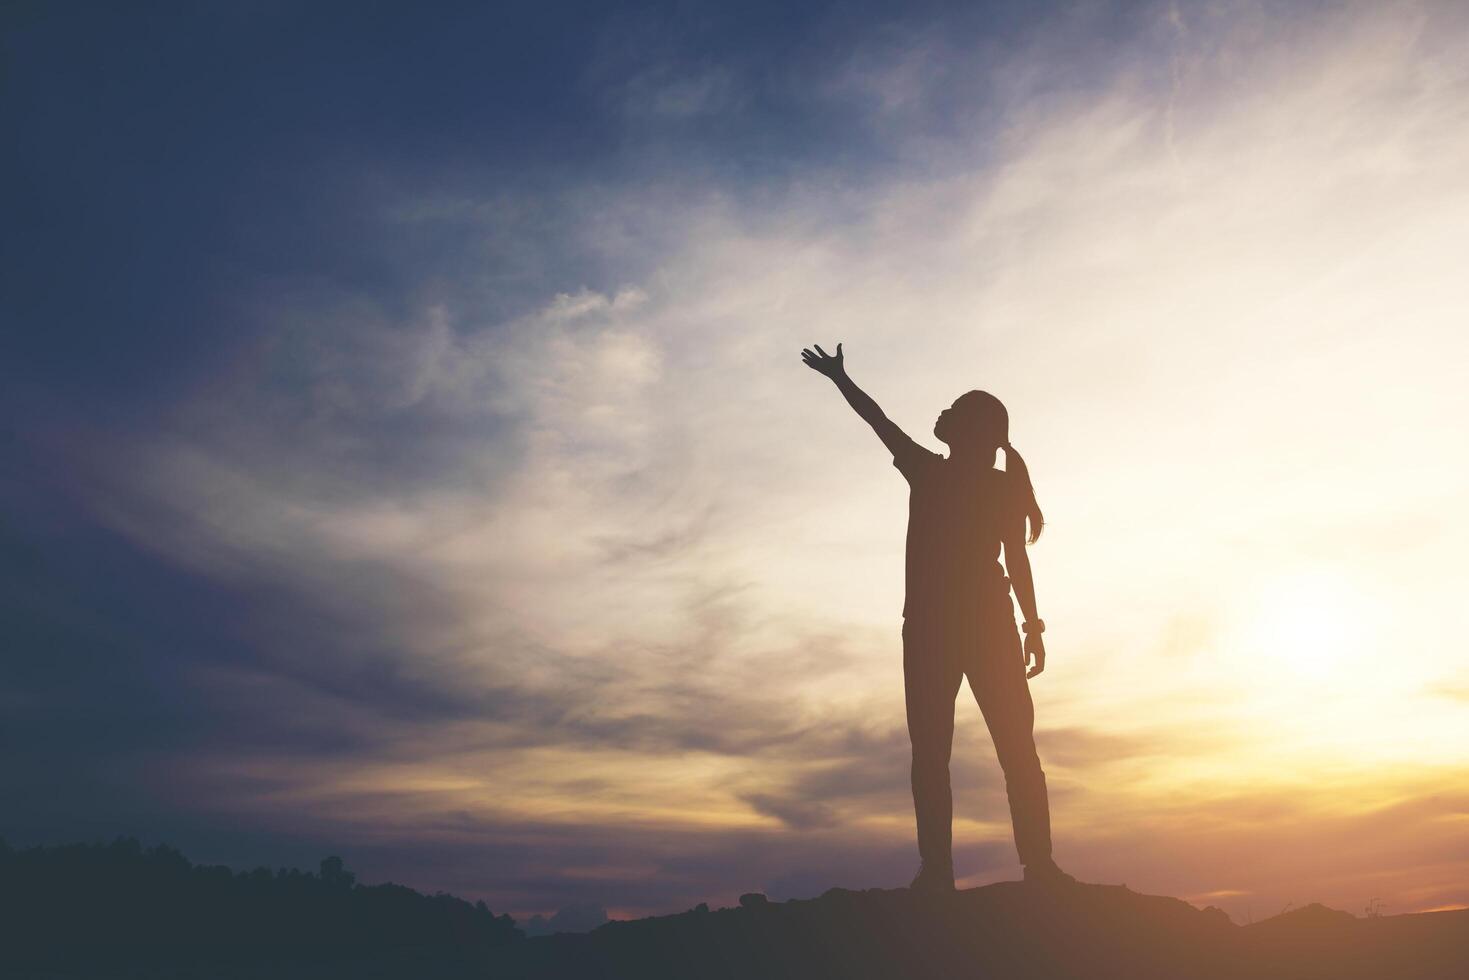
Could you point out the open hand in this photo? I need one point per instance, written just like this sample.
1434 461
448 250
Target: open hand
1035 649
828 364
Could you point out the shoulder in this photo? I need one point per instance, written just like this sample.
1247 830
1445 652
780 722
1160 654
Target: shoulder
1000 486
1006 484
913 460
1010 490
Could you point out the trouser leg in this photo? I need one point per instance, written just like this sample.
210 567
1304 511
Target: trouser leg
1000 686
931 677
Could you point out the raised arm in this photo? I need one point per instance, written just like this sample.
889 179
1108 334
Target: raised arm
1017 566
834 368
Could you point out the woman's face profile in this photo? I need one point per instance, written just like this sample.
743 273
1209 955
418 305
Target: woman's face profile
948 424
941 426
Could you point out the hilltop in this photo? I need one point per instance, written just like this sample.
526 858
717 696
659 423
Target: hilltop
1009 930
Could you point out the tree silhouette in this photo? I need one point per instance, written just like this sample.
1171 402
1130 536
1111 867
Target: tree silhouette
120 903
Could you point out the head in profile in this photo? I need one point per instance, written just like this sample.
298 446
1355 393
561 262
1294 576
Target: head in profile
976 422
974 427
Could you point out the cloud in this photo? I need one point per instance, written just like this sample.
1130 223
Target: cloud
795 814
568 307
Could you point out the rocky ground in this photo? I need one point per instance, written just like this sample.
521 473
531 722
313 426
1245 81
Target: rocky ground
1009 930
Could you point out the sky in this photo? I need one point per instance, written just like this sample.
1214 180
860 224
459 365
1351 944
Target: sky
407 454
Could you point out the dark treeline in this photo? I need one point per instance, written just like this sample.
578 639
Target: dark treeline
121 903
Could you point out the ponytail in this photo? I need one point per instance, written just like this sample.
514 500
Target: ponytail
987 423
1025 493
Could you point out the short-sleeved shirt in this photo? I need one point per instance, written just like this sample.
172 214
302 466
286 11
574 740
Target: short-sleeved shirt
955 524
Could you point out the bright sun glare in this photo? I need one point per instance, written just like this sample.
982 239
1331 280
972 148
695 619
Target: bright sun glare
1312 623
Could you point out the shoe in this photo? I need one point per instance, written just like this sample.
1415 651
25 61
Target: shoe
933 880
1047 873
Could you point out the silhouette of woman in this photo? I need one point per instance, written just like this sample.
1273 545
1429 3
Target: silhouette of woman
958 619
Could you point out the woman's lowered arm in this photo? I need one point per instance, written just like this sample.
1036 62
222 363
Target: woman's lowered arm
834 368
1017 566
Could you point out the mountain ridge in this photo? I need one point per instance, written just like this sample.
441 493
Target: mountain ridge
1006 929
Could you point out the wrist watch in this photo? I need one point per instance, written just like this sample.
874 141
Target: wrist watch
1035 626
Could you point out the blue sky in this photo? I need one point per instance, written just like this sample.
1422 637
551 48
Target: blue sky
407 453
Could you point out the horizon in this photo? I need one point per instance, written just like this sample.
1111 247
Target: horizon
410 457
